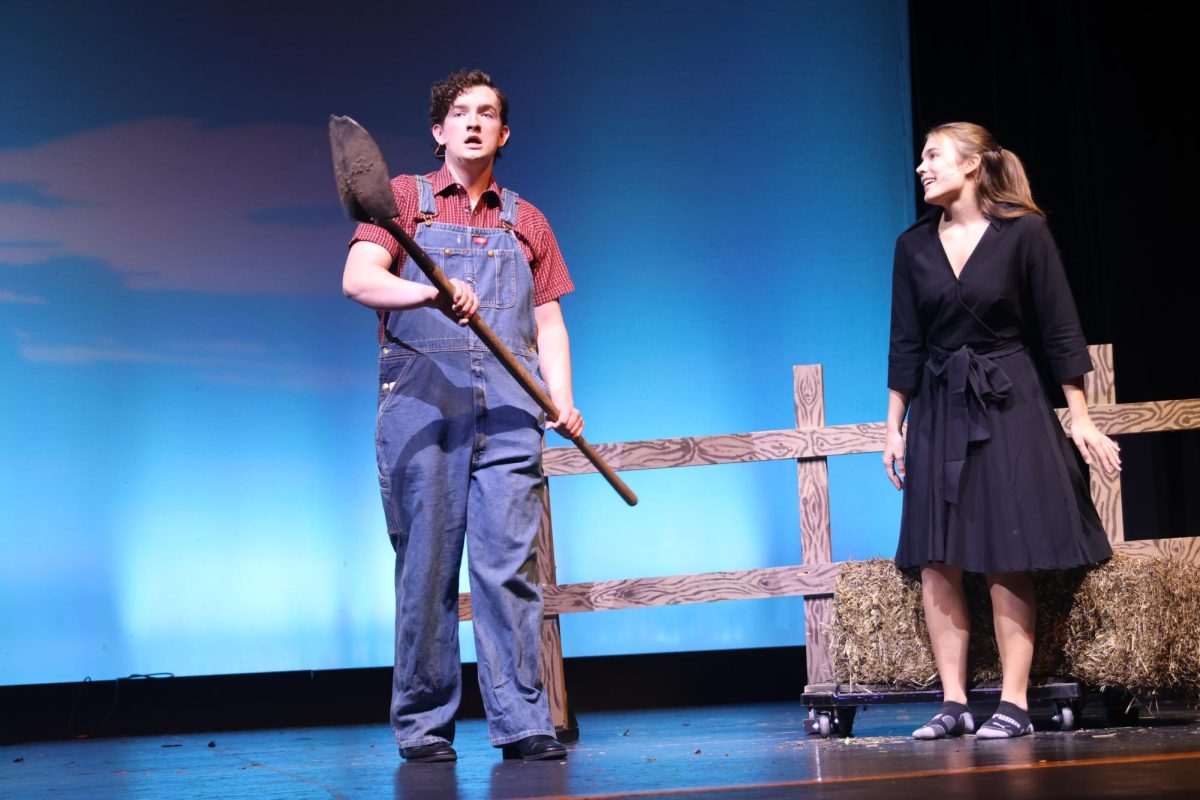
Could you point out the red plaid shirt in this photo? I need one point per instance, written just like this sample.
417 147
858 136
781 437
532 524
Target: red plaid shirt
550 277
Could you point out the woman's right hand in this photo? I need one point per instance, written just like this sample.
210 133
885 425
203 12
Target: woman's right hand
893 458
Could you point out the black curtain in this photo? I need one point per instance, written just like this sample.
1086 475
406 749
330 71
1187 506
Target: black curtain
1093 97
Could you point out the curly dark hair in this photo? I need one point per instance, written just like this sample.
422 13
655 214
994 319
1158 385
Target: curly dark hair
444 93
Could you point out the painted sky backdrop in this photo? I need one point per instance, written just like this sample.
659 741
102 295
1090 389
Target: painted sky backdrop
187 480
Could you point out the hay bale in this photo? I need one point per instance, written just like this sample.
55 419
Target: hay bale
1131 624
877 632
1183 663
1055 591
878 635
1135 625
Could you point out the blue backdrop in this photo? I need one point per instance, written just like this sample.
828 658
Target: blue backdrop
187 480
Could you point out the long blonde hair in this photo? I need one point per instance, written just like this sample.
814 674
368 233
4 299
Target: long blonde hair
1001 185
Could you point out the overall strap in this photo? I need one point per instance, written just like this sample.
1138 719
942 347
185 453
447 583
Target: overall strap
425 202
509 200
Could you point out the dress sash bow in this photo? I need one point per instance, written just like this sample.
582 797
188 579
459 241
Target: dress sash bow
973 382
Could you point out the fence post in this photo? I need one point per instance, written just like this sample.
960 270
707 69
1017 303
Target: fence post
808 387
1100 387
553 681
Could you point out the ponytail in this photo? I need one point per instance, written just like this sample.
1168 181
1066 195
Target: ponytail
1001 185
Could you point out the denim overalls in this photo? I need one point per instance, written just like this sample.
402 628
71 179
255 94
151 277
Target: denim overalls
459 447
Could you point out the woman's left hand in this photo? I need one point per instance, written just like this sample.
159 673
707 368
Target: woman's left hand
1095 446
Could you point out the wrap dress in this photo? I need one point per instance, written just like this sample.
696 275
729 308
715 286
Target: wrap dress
993 484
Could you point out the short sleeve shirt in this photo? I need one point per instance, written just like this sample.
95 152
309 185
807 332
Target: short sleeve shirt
551 280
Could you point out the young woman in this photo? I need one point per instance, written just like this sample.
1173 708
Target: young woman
990 483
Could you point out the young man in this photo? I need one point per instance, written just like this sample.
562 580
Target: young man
458 442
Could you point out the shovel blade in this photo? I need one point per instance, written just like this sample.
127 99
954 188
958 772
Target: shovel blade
361 173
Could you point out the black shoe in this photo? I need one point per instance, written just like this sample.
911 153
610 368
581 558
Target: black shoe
535 748
428 753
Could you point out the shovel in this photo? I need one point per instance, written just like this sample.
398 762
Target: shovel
366 191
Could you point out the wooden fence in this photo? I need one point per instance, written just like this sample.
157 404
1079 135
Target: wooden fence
810 443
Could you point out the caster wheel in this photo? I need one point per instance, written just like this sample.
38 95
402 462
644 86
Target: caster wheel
1120 710
845 720
825 723
1065 718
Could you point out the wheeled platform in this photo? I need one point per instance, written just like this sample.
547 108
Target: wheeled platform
831 707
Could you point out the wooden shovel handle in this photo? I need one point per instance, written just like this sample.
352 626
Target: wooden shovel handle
505 356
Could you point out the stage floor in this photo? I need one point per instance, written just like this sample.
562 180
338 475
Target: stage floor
725 752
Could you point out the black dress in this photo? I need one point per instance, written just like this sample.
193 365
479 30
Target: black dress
993 484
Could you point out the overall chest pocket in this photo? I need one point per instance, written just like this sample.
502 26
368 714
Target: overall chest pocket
492 272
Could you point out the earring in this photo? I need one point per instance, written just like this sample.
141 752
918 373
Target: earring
439 151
